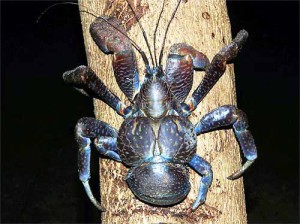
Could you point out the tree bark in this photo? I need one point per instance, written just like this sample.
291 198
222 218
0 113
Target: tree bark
205 26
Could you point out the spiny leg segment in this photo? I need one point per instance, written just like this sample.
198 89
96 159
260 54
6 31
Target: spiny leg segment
86 81
226 116
105 139
215 70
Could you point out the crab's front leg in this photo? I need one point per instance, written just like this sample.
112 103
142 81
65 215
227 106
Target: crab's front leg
111 38
182 60
86 81
105 139
230 115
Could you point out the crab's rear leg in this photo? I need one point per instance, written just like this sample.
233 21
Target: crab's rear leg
216 69
226 116
203 168
105 138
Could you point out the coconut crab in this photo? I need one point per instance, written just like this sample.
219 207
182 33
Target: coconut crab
156 140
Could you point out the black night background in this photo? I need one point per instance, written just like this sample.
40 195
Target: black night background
39 181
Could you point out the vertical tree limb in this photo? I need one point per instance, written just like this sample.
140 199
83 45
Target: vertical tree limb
205 26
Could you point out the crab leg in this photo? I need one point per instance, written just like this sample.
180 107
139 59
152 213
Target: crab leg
216 69
203 168
105 141
181 63
110 36
86 81
230 115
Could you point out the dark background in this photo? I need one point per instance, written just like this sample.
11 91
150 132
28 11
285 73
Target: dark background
39 180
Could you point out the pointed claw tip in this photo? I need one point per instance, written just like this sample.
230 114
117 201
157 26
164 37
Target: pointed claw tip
240 172
230 177
196 205
101 209
194 208
234 176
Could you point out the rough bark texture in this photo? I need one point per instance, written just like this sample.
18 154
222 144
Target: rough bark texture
204 25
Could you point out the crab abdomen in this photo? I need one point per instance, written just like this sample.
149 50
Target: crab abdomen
159 183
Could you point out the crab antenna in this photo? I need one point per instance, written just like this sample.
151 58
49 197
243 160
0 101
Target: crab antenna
143 31
104 19
164 41
62 3
156 27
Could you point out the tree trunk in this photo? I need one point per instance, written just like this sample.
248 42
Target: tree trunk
205 26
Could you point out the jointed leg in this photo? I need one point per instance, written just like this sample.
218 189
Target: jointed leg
215 70
230 115
105 141
85 80
203 168
107 146
109 39
181 63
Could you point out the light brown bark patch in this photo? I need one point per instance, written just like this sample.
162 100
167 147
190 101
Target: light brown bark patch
122 11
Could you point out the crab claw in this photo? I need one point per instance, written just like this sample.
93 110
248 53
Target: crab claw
240 172
197 203
91 196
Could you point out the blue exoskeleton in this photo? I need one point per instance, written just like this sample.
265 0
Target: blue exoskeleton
156 140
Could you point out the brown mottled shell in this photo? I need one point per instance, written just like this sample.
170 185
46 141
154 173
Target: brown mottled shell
177 138
136 140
